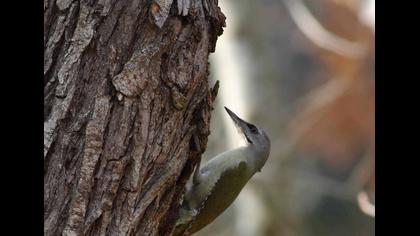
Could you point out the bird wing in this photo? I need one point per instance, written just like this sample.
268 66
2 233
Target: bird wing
211 173
227 187
225 174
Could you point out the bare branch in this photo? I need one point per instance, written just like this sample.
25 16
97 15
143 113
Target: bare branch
320 36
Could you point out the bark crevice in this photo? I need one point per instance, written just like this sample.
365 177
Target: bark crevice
126 90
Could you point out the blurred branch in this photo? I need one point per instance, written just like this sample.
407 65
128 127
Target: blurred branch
320 36
367 14
364 204
362 172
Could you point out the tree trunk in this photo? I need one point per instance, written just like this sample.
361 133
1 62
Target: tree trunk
125 93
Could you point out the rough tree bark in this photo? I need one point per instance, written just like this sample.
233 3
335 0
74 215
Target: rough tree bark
125 91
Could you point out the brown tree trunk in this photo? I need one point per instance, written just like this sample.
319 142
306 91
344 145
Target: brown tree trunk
125 93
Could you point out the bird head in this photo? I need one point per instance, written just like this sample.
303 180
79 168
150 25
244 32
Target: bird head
254 135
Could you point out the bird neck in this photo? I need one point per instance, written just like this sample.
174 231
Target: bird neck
256 156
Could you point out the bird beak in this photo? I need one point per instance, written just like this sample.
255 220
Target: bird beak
234 117
241 124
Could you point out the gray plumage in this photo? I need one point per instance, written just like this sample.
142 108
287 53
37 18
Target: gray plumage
217 184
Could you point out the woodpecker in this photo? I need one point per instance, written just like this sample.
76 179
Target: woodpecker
217 184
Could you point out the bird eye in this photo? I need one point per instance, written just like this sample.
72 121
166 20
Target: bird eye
252 128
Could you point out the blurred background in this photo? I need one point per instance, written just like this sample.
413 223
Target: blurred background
304 71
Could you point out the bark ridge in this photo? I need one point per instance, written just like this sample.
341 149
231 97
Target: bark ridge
125 90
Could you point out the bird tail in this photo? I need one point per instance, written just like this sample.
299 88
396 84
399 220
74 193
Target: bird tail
186 216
